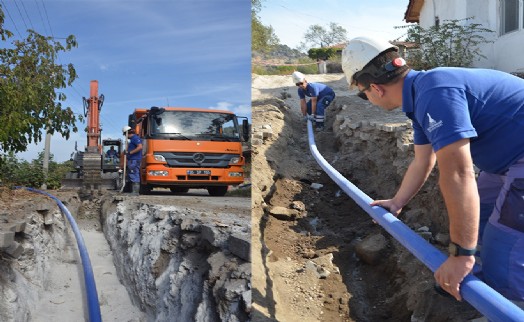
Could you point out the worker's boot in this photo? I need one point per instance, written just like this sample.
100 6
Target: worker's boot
136 188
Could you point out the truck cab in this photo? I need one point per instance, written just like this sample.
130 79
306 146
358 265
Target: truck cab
188 148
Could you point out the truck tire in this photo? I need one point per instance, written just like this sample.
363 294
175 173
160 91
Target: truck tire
145 189
217 191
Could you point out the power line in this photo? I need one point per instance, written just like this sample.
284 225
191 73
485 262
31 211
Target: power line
28 18
11 18
47 17
41 17
20 12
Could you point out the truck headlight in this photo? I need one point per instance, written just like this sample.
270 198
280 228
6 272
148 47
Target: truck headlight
159 157
234 160
158 173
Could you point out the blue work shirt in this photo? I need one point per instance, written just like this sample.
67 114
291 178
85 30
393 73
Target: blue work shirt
134 141
487 106
318 90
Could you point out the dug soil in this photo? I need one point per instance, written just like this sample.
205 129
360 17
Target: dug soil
316 255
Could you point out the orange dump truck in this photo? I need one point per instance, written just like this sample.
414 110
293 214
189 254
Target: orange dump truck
190 148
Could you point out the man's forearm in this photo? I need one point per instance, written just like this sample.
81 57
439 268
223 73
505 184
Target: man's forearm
462 202
459 189
416 174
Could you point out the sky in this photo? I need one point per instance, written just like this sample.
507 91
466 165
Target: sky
143 53
290 19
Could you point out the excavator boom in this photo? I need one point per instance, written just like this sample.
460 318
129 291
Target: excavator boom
90 172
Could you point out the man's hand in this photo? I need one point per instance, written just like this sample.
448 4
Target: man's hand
389 204
312 117
452 272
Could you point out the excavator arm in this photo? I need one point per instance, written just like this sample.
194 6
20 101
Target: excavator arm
89 162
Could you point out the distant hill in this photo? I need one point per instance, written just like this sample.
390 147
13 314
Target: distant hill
279 53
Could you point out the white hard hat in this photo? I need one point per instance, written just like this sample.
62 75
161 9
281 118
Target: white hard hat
126 128
298 77
359 52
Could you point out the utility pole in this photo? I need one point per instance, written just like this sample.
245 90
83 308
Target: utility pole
45 165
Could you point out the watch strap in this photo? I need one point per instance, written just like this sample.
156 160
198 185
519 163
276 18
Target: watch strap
457 250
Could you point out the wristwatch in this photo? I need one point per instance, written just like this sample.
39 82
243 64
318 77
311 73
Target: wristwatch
456 250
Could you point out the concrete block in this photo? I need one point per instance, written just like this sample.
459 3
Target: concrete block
14 250
18 227
6 238
213 235
48 219
240 246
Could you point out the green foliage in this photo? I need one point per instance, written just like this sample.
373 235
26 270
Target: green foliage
321 53
15 172
263 38
318 36
30 80
453 43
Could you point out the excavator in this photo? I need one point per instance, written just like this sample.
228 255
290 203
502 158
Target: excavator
98 166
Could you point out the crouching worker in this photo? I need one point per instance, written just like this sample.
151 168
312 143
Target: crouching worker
321 96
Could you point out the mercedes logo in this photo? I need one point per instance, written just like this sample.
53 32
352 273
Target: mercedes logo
198 157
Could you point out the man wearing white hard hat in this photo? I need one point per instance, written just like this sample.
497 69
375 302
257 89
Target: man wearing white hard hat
321 96
461 117
133 157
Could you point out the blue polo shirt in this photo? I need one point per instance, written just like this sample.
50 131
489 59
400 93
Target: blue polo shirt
318 90
487 106
134 141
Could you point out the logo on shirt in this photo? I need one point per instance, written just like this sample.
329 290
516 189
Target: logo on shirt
433 125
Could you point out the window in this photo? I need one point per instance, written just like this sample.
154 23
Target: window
510 16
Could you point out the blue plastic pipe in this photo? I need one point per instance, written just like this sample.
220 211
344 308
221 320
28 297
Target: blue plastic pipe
485 299
91 293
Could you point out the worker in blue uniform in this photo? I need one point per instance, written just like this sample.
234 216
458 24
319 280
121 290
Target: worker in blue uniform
133 158
461 117
321 96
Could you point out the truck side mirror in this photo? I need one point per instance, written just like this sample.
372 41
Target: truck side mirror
245 130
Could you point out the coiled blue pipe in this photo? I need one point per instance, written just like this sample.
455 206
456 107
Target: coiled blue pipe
91 293
485 299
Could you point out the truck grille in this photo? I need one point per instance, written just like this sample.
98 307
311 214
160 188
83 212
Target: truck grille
195 160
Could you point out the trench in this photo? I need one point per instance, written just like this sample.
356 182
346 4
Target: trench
371 150
152 261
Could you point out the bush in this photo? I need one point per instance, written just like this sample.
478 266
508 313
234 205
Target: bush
452 44
303 65
15 172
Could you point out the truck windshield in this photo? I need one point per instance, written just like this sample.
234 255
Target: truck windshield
184 125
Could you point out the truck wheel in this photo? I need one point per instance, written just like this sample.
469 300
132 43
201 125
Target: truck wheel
217 191
145 189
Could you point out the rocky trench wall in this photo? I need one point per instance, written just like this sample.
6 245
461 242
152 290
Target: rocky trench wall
40 234
374 153
179 266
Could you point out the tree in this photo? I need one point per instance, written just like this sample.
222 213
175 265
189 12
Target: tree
263 38
30 80
321 53
317 35
452 43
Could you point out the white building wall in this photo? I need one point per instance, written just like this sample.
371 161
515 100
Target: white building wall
504 53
